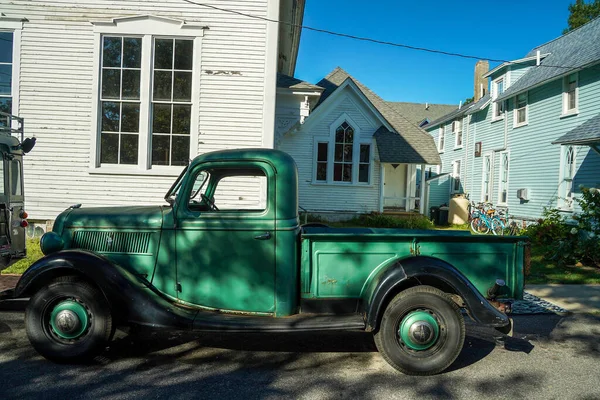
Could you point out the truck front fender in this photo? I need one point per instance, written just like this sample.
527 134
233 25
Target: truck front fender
404 273
132 299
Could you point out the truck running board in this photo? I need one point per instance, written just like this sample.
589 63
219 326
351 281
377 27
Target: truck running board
219 322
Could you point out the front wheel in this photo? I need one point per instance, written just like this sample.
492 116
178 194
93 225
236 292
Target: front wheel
68 321
422 331
479 226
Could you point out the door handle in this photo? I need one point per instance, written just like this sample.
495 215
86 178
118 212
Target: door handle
264 236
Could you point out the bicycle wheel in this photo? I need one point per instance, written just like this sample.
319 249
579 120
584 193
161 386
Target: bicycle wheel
479 226
497 227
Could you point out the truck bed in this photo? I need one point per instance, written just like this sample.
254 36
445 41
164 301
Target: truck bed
337 263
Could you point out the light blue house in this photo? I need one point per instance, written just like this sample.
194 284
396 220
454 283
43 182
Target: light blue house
532 136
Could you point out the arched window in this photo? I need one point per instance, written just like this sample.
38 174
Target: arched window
567 174
342 158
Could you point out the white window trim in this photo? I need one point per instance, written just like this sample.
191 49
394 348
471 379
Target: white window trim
565 99
500 176
358 140
454 174
495 103
14 25
441 134
148 27
491 184
515 112
565 204
456 135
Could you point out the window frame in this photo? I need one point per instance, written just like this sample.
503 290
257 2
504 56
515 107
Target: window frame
565 96
503 178
148 28
357 142
564 201
456 176
14 25
441 138
489 188
498 107
516 109
458 133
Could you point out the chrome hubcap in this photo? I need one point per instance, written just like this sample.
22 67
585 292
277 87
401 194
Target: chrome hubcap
67 321
421 332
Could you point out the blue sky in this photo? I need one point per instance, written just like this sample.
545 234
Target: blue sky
492 29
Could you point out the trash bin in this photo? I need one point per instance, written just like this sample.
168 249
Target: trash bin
443 216
434 214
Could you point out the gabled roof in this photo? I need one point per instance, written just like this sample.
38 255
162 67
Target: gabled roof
288 82
419 147
586 133
569 53
418 112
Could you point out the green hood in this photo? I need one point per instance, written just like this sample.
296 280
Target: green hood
139 217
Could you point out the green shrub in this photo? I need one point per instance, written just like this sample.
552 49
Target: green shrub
376 220
34 253
567 243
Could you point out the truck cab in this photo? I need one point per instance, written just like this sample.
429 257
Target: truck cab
227 253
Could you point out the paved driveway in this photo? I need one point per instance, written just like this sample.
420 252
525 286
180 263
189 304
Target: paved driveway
554 357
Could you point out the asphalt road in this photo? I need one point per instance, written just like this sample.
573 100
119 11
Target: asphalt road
551 357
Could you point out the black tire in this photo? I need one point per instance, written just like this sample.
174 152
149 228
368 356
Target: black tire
444 350
46 342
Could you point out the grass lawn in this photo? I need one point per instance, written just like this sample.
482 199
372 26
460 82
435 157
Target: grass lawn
33 254
544 271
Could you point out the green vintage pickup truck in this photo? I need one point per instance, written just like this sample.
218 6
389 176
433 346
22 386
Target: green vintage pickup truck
200 263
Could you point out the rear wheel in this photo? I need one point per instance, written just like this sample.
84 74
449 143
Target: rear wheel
479 226
422 331
68 321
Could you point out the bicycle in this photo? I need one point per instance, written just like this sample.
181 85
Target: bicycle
480 222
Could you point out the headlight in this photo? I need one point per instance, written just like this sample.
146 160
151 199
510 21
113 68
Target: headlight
51 243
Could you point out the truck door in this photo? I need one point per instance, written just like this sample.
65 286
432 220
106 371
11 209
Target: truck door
225 237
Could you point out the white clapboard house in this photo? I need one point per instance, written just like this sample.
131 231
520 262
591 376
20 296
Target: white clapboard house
122 94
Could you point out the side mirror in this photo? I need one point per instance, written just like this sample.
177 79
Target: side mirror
28 144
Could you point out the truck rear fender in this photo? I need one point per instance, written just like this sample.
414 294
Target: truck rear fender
419 270
131 298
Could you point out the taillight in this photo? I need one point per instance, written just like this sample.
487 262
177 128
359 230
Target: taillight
24 223
23 214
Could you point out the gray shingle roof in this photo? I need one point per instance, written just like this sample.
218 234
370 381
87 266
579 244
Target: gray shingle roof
415 145
588 132
459 112
288 82
577 49
417 112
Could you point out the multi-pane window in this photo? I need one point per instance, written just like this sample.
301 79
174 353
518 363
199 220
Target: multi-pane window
570 94
6 61
567 175
504 179
457 130
120 99
521 109
499 105
343 159
487 178
441 139
364 163
171 101
322 149
343 152
456 176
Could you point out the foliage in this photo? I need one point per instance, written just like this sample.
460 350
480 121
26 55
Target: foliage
544 271
581 13
34 253
468 101
568 243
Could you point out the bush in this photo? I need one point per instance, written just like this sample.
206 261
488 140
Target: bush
568 243
376 220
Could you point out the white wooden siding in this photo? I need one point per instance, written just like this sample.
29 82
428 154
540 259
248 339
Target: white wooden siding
56 97
300 145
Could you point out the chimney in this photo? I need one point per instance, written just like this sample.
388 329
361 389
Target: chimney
480 82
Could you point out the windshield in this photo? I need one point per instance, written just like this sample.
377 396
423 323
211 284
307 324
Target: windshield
174 190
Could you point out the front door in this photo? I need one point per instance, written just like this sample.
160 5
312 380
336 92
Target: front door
226 238
394 189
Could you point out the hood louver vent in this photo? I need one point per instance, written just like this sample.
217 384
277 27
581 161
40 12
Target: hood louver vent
112 242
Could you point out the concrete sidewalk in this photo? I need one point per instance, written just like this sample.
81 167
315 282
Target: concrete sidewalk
574 298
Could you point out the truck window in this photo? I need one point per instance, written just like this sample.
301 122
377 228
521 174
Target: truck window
242 192
16 186
199 186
